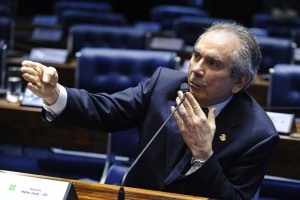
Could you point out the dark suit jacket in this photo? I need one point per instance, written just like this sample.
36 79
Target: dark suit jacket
243 144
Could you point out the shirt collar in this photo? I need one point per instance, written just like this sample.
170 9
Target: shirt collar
219 107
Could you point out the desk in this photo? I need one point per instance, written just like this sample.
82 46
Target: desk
24 125
259 90
285 161
96 191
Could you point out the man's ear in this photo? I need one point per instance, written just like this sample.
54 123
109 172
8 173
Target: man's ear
240 82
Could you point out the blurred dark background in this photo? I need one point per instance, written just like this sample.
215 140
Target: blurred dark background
240 10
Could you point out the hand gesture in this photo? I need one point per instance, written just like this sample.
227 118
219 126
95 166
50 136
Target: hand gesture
42 80
196 128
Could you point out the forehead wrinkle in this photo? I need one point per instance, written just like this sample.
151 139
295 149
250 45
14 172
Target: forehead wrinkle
222 44
205 53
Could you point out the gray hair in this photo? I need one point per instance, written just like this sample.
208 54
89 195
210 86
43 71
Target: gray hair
245 59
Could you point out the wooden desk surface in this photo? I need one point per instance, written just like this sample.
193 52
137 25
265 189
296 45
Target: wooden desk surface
97 191
24 125
285 161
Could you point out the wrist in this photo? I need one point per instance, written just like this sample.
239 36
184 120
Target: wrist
52 98
199 162
202 154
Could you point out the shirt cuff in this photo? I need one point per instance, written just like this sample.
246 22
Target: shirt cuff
196 167
59 105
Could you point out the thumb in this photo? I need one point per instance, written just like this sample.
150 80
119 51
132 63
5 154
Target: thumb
50 76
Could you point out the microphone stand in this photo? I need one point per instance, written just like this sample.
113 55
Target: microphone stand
121 196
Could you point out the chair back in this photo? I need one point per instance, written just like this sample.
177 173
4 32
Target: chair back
84 35
7 29
151 27
122 149
166 14
68 18
275 187
259 32
189 28
273 26
8 8
275 51
284 86
61 6
3 51
110 70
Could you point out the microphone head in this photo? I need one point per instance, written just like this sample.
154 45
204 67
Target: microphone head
184 87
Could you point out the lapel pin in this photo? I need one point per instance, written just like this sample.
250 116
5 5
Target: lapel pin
222 137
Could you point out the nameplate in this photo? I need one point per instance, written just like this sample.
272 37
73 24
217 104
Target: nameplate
162 43
283 122
46 34
48 55
19 187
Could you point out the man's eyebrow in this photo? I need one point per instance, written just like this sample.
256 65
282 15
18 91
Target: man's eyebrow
217 60
196 51
214 58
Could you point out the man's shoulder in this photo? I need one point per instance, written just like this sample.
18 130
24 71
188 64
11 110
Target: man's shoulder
164 71
250 107
168 79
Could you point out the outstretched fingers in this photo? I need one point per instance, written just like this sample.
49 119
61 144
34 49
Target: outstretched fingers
37 73
195 105
177 117
183 109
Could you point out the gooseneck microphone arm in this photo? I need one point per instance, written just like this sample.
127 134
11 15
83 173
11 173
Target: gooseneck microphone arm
184 87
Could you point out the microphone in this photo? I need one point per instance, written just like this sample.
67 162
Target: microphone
184 87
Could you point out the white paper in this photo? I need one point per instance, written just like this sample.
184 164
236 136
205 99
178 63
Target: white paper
18 187
283 122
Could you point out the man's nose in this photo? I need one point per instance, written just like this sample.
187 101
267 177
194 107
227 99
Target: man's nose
199 67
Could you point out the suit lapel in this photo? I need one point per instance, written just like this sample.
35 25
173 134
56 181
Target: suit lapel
176 172
175 143
229 118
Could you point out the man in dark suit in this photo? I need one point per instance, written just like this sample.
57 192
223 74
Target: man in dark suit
223 155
